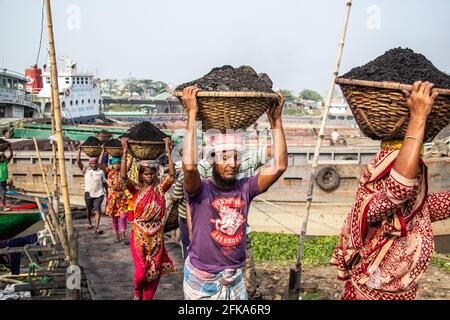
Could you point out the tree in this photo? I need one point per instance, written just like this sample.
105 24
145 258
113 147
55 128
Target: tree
288 94
109 86
308 94
132 85
160 87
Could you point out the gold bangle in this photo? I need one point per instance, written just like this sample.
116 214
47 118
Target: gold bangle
415 138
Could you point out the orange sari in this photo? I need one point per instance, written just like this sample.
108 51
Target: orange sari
117 201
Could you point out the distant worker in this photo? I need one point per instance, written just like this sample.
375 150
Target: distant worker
94 186
335 137
4 162
12 189
150 256
117 200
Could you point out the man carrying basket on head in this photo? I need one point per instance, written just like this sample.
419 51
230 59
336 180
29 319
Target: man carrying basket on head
219 208
95 186
386 241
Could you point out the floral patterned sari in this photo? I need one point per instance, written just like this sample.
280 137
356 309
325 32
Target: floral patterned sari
148 229
386 241
117 201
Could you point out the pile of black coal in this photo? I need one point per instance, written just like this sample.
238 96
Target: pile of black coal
115 143
145 131
227 78
104 132
400 65
92 142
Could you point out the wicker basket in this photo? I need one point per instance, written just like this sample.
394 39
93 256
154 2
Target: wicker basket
224 110
3 147
380 109
146 150
114 151
103 136
92 151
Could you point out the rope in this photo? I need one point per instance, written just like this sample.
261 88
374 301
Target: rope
42 31
288 211
277 221
33 265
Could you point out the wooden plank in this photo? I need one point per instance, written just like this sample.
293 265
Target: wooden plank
25 198
29 211
51 257
52 297
8 250
39 286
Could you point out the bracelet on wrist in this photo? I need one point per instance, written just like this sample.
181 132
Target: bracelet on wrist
415 138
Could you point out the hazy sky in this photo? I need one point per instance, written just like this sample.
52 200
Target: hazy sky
293 41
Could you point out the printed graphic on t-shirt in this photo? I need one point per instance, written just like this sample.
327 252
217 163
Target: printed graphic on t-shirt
228 228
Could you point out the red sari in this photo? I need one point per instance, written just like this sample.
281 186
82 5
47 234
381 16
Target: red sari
147 240
386 241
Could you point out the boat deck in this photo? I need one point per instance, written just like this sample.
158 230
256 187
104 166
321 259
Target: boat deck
109 266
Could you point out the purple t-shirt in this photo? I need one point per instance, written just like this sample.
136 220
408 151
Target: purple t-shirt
219 220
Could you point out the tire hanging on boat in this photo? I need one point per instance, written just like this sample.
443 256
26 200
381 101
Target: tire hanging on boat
328 179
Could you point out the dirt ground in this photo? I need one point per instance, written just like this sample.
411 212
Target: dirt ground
273 282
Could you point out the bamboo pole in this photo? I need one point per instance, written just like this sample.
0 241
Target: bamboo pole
295 274
72 294
55 193
58 227
386 85
46 221
59 134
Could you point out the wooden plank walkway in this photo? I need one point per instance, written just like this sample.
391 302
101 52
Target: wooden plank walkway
109 266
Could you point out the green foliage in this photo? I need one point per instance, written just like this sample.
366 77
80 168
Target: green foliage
110 86
318 295
123 107
139 86
288 94
293 112
308 94
439 261
284 247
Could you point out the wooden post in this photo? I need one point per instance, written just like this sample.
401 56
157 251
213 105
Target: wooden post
295 274
55 193
72 294
58 128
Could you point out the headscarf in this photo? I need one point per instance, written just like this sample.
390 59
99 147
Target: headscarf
115 160
225 142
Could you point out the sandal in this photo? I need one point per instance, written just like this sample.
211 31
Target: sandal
88 227
98 231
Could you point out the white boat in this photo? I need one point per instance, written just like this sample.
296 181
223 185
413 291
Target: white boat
15 102
79 93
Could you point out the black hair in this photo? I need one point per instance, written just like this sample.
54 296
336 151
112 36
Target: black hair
142 169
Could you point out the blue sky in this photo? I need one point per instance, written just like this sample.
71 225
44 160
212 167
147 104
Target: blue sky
293 41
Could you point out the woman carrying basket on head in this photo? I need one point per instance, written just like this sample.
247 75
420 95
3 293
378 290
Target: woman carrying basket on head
147 238
117 200
386 241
